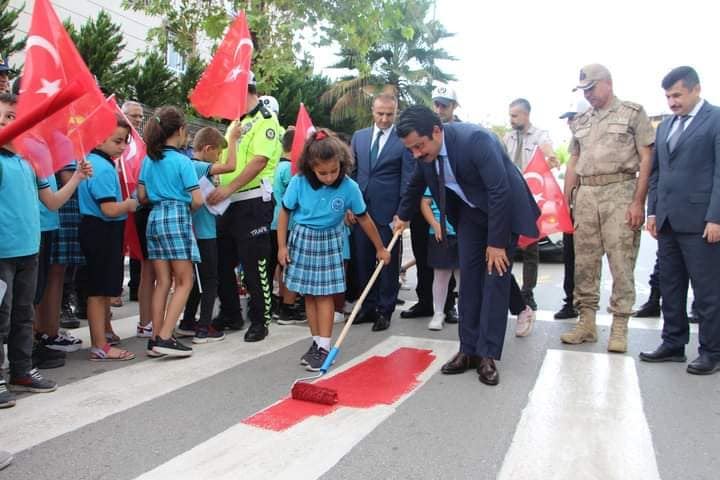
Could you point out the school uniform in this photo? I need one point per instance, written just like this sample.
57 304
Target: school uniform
168 183
19 246
66 247
101 236
49 225
316 240
441 255
281 180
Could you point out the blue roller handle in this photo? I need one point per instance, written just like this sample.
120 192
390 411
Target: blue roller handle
329 360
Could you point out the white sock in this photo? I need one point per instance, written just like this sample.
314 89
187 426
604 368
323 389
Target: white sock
315 338
323 342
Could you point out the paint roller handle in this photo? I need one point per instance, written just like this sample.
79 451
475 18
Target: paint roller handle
329 360
359 302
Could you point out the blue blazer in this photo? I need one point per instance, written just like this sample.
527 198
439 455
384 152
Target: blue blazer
486 176
685 184
383 185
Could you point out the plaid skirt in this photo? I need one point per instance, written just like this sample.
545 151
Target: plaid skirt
170 233
316 261
66 247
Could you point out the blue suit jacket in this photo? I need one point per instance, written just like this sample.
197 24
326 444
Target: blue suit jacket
486 176
685 184
382 185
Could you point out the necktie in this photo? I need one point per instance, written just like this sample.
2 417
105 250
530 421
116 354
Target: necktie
519 151
673 140
442 203
375 149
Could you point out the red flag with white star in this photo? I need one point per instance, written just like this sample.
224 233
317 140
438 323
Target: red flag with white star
303 129
554 212
222 89
52 62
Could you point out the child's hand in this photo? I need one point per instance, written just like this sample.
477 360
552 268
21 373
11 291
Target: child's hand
236 132
283 257
131 204
84 170
438 231
383 256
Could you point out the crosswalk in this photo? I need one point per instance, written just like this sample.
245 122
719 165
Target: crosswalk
561 413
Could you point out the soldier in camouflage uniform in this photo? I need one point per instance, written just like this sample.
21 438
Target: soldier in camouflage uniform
611 143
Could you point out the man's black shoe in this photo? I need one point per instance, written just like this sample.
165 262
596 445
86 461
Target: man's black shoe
418 310
256 332
223 322
664 353
45 358
651 308
382 323
451 315
566 312
704 365
369 316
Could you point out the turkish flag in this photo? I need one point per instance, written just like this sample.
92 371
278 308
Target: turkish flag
554 212
303 129
222 89
51 63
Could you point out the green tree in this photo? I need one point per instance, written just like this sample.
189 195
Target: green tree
187 81
100 43
156 85
8 28
562 153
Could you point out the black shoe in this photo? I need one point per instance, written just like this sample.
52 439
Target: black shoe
171 347
382 323
451 315
704 365
45 358
81 312
133 296
460 363
418 310
369 316
224 322
288 315
651 308
207 335
399 301
256 332
664 353
68 320
566 312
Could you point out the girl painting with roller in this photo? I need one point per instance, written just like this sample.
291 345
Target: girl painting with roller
318 198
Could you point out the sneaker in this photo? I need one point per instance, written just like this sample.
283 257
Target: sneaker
207 335
305 359
45 358
32 382
339 317
171 347
289 316
149 350
525 321
316 360
7 398
62 342
437 322
144 331
67 317
185 329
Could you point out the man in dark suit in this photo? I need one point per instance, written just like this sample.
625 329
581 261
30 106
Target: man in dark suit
382 173
684 215
486 198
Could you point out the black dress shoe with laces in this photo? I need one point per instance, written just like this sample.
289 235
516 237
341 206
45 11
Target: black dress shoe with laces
418 310
704 365
664 353
369 316
460 363
487 372
451 315
256 332
382 322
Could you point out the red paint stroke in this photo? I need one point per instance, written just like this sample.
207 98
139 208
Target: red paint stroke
375 381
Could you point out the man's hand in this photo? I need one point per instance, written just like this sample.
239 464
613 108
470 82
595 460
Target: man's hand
652 226
496 259
218 195
350 218
712 232
399 225
383 256
635 215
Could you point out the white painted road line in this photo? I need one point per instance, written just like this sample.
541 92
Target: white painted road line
605 320
39 418
304 451
584 420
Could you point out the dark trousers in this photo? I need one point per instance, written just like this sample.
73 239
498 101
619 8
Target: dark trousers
134 282
484 297
531 259
244 237
685 258
46 240
419 240
569 264
383 295
517 302
208 270
16 312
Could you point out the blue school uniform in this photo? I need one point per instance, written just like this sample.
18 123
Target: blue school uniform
204 222
316 241
102 187
19 211
168 183
444 256
283 174
49 219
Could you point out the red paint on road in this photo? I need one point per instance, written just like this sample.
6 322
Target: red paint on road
375 381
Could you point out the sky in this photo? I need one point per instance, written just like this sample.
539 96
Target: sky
535 49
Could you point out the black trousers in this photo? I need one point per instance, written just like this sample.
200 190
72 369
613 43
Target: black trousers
569 261
517 302
384 294
419 240
208 270
244 238
134 282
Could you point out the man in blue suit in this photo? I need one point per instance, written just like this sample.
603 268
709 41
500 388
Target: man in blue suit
382 173
486 198
684 215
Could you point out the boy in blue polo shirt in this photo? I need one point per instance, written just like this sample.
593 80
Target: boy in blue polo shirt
19 246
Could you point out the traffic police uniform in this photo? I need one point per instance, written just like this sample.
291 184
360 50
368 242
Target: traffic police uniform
244 228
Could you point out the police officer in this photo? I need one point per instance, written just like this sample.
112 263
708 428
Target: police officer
244 228
611 143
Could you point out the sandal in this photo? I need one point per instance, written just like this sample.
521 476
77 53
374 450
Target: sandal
112 339
103 354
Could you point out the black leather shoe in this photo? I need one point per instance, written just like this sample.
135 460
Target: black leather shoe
416 311
703 365
664 353
487 371
369 316
224 322
256 332
451 316
566 312
460 363
382 323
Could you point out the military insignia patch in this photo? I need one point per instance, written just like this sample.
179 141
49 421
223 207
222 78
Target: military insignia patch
270 133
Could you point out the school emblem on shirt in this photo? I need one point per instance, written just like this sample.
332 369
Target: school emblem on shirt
270 133
337 204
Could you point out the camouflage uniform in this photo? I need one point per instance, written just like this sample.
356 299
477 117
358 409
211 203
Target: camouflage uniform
607 143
